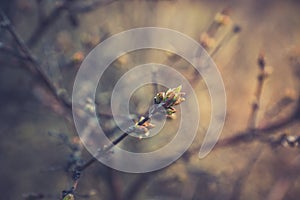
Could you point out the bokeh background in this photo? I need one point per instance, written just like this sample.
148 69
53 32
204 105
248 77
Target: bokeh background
36 133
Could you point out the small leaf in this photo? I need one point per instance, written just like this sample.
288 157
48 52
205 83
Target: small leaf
69 197
178 89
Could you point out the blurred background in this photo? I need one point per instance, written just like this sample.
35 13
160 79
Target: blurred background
256 46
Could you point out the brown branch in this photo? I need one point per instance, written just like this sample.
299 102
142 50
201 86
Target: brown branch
108 148
226 39
285 181
11 52
240 183
163 101
258 91
45 24
137 185
66 5
34 66
84 7
258 133
114 186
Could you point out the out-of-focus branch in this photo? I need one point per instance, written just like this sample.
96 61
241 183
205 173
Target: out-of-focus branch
226 39
209 39
11 52
45 23
83 7
163 100
240 183
259 134
137 185
70 6
285 181
113 182
33 65
262 76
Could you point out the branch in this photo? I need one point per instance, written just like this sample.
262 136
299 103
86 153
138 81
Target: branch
45 24
137 185
67 5
84 7
241 182
258 133
285 181
262 76
10 51
164 100
35 67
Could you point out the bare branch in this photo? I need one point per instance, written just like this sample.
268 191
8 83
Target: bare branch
35 67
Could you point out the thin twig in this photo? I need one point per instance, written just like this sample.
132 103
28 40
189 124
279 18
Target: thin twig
45 24
108 148
66 5
226 39
84 7
258 91
154 82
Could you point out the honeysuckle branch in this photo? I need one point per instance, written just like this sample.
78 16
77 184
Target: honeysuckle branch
163 100
164 103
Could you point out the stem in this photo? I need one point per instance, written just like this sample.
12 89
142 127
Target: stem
101 153
115 142
258 92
